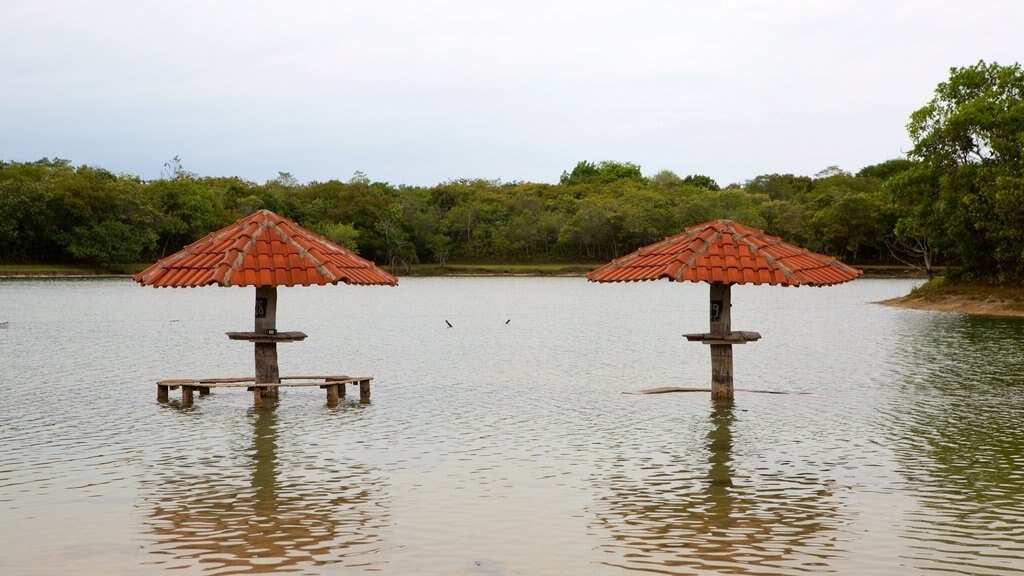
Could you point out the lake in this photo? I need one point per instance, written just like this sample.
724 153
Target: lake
505 445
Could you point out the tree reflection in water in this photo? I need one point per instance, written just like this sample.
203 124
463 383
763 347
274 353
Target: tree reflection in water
955 430
681 517
261 516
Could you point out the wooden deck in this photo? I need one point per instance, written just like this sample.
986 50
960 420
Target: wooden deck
334 385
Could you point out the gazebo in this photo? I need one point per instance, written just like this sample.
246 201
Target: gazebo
265 251
723 253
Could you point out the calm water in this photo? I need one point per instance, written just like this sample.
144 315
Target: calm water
499 448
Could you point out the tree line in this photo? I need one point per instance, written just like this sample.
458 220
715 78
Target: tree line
56 212
958 199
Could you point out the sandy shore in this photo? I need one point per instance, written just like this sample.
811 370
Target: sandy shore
984 306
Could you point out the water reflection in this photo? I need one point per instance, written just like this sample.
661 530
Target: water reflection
959 444
266 511
682 517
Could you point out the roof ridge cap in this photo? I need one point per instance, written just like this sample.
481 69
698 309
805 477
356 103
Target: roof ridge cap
703 250
789 274
303 253
234 266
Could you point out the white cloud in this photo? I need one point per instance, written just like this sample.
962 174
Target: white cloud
420 92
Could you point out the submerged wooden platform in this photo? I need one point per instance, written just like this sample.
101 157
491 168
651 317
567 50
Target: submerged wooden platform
334 385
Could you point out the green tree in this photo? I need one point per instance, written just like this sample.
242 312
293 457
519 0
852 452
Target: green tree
965 196
602 173
702 181
886 170
342 234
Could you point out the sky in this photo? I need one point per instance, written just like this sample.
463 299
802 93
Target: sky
422 92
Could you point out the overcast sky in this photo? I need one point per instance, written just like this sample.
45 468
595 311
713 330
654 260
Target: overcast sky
420 92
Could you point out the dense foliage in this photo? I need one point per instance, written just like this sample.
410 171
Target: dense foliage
53 211
959 196
964 197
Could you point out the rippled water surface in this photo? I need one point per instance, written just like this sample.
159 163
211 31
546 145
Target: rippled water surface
504 445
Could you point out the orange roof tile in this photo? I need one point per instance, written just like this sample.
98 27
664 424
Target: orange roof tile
263 249
727 252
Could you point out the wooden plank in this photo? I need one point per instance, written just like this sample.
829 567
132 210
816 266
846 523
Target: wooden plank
730 338
175 383
288 383
277 384
249 380
279 337
262 391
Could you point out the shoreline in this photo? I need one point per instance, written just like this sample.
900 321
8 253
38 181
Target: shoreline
956 306
419 270
976 299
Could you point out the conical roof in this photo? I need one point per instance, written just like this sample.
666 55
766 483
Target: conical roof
726 252
263 249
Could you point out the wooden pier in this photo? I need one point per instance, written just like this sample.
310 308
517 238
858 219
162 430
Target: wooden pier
334 385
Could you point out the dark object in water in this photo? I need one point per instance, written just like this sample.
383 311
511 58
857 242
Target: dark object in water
488 568
507 321
448 323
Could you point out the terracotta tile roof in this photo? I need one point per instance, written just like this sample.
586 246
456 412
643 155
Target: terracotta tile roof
263 249
726 252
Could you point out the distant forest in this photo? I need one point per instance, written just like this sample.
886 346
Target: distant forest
957 199
55 212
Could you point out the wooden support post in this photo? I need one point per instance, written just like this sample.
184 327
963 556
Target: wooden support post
204 390
364 391
257 396
721 372
266 352
332 393
161 393
341 390
721 354
186 395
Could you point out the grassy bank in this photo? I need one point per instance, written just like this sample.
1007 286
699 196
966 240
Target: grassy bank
965 297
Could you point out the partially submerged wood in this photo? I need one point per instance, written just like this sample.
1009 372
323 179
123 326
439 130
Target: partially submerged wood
721 354
266 352
721 338
334 386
